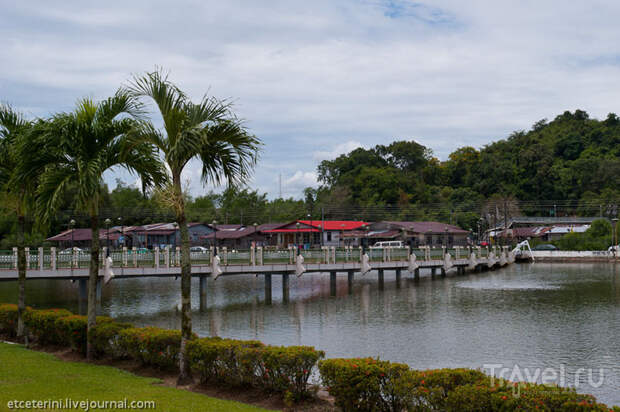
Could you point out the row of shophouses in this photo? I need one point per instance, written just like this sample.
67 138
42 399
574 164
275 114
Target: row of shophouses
305 233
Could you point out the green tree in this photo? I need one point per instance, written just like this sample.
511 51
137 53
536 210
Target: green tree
207 131
77 148
18 192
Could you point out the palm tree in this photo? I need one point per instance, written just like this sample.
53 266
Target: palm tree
77 148
13 127
207 131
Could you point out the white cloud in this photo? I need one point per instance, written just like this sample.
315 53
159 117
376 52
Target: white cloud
295 184
307 75
336 151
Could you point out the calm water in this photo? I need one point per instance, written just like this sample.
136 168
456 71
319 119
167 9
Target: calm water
561 316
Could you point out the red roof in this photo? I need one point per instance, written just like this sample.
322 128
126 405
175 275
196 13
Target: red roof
300 230
327 225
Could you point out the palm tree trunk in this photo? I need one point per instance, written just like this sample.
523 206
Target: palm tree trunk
92 282
185 376
21 271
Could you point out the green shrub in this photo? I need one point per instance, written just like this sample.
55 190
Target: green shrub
152 346
42 325
250 363
287 369
72 330
228 361
368 384
433 385
105 338
8 319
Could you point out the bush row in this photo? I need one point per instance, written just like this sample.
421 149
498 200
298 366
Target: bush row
250 363
363 384
368 384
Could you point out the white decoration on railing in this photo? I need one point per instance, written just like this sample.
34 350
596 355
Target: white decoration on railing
108 274
447 262
473 262
413 264
502 259
299 266
491 260
365 264
216 270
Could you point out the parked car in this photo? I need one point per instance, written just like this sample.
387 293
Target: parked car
545 246
198 249
388 244
69 251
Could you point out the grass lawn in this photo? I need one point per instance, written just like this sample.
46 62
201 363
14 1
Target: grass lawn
28 375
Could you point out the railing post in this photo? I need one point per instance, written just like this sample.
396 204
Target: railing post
53 258
124 257
361 253
225 253
134 251
74 258
456 252
156 254
27 252
177 256
253 256
14 258
41 258
333 254
260 255
290 255
167 257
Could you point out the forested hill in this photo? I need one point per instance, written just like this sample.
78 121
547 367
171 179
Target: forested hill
572 158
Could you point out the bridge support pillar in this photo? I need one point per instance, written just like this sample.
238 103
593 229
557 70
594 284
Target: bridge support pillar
285 288
268 288
381 279
416 274
350 281
433 271
443 272
203 292
332 283
398 277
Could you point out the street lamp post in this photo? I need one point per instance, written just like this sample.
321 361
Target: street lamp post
255 226
310 234
107 233
614 239
214 223
72 226
297 225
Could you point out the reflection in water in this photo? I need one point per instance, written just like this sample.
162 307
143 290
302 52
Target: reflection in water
540 315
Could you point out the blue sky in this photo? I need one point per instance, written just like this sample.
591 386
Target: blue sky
317 79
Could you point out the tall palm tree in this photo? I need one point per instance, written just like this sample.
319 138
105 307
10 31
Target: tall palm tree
13 127
77 148
207 131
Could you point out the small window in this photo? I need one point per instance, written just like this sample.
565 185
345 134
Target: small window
329 236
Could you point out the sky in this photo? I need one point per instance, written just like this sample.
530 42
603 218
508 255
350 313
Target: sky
317 79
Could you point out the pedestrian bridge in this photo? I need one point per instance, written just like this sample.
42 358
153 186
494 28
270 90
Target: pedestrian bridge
73 264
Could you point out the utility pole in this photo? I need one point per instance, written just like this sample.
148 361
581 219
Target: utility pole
505 222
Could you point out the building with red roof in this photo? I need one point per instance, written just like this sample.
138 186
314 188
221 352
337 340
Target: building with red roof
316 232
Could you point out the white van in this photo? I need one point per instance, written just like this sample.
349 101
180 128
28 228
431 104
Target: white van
390 244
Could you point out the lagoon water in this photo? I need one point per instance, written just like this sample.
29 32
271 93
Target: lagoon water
559 316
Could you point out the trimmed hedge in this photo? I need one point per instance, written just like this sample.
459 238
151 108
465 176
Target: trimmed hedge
72 330
105 338
151 346
251 363
8 319
372 385
42 325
